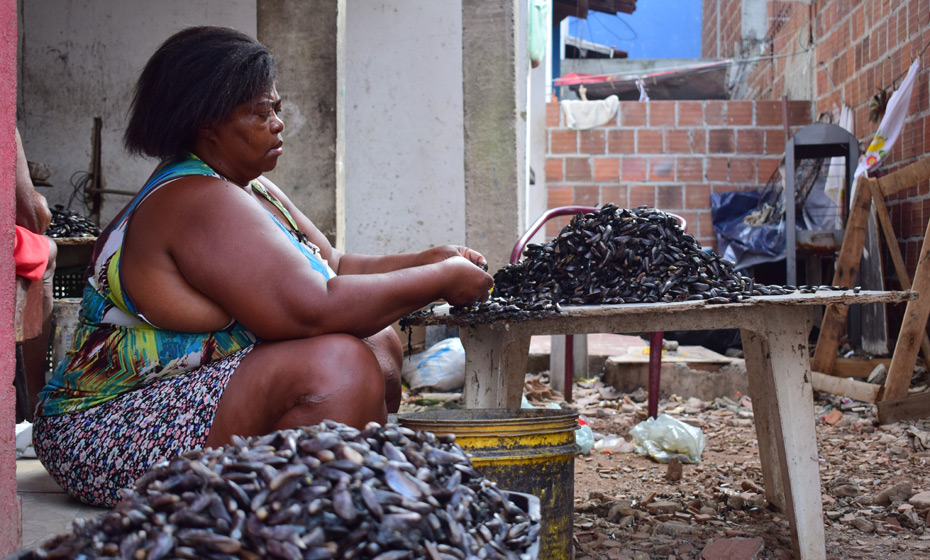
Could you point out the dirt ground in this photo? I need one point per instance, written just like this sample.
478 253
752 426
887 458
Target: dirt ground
875 482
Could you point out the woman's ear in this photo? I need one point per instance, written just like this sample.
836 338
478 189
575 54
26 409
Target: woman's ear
207 133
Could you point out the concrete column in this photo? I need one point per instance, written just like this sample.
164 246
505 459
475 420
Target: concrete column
10 521
305 40
495 64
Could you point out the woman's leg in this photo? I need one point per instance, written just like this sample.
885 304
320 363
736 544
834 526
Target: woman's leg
390 354
292 383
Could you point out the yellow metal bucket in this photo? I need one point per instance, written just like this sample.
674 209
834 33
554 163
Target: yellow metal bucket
522 450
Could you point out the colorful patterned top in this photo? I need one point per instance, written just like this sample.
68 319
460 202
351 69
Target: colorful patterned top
115 349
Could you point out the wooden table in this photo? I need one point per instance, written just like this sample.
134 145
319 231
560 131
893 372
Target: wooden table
774 332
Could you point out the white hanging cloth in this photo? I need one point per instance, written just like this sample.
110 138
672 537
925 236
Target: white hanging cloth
892 123
581 115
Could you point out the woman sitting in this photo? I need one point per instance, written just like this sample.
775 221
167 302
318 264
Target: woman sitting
213 306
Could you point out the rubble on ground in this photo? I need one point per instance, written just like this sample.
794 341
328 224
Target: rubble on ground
875 481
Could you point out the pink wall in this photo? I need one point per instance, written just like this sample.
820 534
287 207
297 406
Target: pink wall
10 524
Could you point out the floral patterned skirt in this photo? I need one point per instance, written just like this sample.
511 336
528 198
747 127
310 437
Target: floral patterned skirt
95 453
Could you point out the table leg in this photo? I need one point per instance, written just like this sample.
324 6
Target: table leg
778 365
495 367
764 415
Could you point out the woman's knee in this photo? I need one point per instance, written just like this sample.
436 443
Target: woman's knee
333 363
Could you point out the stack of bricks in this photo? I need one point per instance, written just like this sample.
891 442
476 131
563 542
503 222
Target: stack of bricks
669 155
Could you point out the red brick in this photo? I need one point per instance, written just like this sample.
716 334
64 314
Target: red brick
669 197
577 169
591 142
554 169
716 169
705 229
649 141
691 219
588 195
615 194
768 113
720 141
553 227
690 113
697 196
607 169
661 113
633 169
689 169
621 141
799 113
750 141
739 113
559 196
677 141
662 169
632 113
774 141
742 171
563 142
642 195
714 112
766 166
552 115
699 141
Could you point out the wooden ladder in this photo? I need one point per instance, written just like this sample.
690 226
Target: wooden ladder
893 402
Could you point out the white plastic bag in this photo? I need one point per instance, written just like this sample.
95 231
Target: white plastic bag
441 367
613 444
24 441
666 437
584 436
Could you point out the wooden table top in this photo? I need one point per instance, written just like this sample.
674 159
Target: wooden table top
440 315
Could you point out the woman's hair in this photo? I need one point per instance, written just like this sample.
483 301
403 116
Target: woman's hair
195 78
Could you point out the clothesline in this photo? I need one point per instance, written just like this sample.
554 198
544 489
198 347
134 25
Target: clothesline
574 79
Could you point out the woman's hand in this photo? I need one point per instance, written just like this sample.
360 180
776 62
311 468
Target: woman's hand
443 252
466 283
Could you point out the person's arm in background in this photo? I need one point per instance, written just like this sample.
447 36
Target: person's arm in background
32 210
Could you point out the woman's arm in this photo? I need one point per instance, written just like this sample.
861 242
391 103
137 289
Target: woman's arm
227 248
32 210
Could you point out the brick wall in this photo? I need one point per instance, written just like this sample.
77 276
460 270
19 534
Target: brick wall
668 154
859 46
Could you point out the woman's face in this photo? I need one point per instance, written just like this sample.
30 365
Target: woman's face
248 143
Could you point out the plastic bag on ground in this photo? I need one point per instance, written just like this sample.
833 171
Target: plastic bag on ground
441 367
584 436
613 444
665 437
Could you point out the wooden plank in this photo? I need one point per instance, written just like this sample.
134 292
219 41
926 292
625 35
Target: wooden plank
913 328
884 218
861 367
906 177
847 266
913 407
858 367
858 390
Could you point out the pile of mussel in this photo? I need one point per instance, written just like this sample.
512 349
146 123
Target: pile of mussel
613 256
66 223
326 491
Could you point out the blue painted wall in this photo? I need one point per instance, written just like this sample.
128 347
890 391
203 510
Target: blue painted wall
657 29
